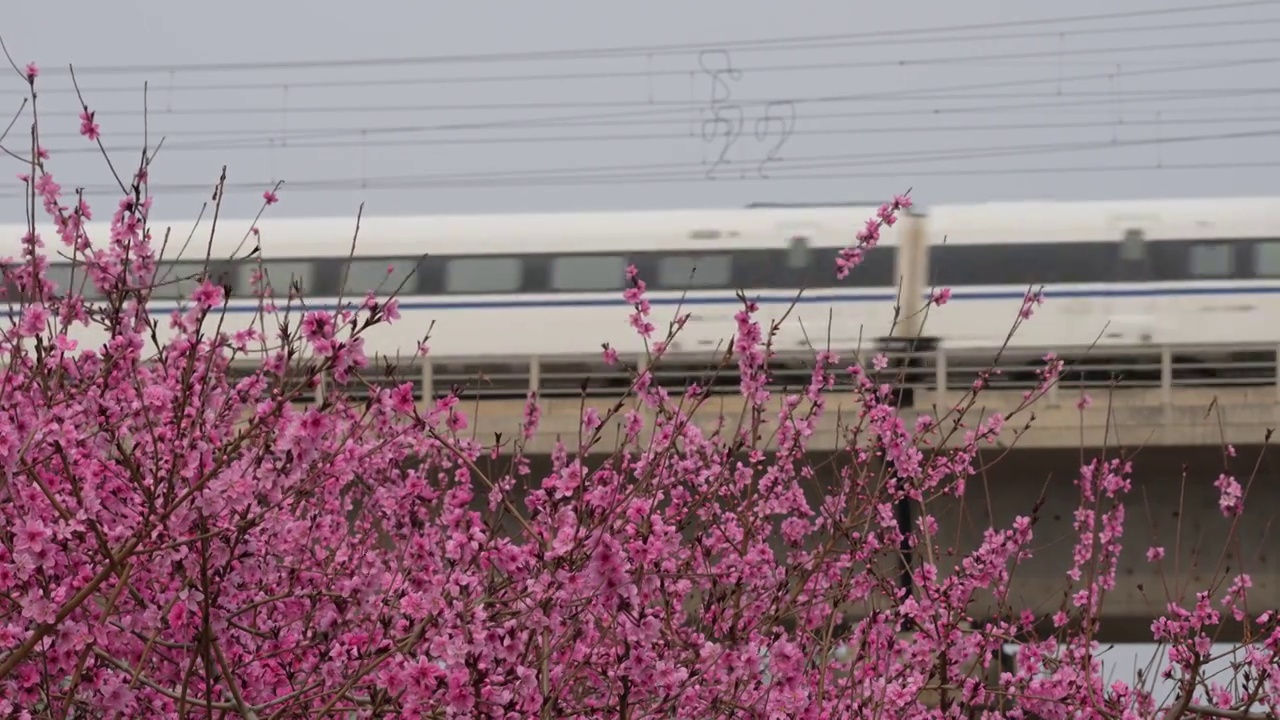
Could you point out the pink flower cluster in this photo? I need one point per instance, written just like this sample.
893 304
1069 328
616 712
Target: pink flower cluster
179 541
851 257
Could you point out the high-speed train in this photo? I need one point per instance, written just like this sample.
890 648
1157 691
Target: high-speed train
510 286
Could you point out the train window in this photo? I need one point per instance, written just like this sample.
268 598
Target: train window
759 268
798 253
1133 247
383 276
1024 265
484 275
1211 259
9 291
695 271
278 275
588 272
1133 265
1266 258
1167 259
176 280
60 275
876 269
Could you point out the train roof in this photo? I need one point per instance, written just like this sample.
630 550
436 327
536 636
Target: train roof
504 233
1084 221
775 204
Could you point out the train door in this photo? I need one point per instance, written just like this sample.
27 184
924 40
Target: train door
791 335
810 323
1132 306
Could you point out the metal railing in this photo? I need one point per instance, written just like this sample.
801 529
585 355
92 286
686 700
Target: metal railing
922 374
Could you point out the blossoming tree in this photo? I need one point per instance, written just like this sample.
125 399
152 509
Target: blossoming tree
176 541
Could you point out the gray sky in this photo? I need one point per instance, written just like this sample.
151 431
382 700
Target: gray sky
950 98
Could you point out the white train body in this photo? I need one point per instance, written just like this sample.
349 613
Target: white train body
504 288
1142 273
508 287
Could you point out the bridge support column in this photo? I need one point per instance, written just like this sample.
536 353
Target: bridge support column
1053 395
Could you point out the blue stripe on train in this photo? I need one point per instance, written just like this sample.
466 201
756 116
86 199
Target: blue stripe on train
806 299
774 298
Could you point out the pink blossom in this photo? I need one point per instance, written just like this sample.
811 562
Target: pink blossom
267 522
1231 500
886 215
271 197
88 127
532 416
318 326
241 339
610 355
635 296
207 295
34 319
402 398
1033 299
30 536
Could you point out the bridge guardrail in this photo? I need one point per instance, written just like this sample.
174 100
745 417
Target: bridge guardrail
925 376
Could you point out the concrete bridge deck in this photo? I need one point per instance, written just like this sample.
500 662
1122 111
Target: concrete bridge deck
1116 418
1164 395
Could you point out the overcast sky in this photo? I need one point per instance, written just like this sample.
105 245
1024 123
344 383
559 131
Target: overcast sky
853 101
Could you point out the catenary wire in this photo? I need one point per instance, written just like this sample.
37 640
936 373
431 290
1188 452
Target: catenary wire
634 116
312 142
637 178
1214 114
678 106
983 108
979 58
414 183
615 120
591 53
695 171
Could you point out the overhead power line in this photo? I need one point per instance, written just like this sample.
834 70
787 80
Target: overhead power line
376 184
1214 114
862 43
688 171
1053 101
943 92
333 140
274 135
642 50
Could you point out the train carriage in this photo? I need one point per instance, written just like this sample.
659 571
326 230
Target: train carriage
1120 277
498 289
